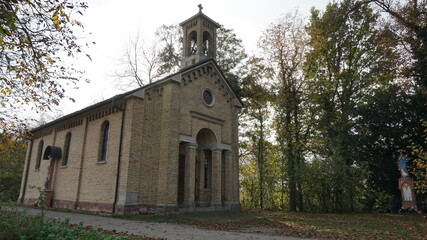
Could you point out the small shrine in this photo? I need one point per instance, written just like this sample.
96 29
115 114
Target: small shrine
406 185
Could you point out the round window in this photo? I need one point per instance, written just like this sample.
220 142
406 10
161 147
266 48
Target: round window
208 98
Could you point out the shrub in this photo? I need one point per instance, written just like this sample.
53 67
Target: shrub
17 225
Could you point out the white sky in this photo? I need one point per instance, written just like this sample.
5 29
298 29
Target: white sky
111 22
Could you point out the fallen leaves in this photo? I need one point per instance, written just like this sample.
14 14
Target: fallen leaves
306 225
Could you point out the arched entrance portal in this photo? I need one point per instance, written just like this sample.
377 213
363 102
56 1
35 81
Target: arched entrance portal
206 141
201 172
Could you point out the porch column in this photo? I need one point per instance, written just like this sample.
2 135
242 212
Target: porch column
190 174
201 170
228 168
216 178
235 182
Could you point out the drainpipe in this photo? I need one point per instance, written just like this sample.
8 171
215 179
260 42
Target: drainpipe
27 167
119 158
82 159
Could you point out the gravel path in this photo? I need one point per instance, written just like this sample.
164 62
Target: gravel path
153 229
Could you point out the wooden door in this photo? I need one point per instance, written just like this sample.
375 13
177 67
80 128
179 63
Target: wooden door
181 179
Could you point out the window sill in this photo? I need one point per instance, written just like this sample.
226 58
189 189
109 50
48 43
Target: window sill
64 166
37 170
101 162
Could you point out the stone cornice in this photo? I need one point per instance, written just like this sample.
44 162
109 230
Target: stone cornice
208 118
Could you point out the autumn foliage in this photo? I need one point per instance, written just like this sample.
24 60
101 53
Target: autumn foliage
418 164
35 38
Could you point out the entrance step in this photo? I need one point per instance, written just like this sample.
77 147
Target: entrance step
203 209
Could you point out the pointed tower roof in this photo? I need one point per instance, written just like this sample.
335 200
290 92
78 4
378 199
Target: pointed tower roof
200 14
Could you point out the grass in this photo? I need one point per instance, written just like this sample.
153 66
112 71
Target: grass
18 225
307 225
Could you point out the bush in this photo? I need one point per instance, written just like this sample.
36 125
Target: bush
17 225
12 161
381 203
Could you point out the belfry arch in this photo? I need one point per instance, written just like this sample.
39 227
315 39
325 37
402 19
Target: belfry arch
207 44
192 43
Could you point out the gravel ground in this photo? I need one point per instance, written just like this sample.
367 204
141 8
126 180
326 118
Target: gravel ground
155 229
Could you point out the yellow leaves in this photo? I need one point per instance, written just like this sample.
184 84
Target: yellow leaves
6 91
66 17
49 59
59 17
55 20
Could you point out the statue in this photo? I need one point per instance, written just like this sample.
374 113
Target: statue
46 183
407 193
402 165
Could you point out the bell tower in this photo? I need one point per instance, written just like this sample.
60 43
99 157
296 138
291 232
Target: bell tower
199 40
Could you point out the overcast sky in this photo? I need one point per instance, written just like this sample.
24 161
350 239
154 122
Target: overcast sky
112 22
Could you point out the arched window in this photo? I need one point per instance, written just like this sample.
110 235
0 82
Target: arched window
207 41
39 154
66 149
104 141
193 43
206 47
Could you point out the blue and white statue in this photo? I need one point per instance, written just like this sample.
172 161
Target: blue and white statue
402 165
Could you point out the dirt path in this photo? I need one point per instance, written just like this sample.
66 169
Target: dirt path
153 229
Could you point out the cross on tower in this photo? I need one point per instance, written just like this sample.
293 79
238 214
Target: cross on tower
200 7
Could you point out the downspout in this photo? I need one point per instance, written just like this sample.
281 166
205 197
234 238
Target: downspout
27 167
119 158
54 170
82 159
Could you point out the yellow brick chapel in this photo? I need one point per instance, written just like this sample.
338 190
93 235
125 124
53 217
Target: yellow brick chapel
171 145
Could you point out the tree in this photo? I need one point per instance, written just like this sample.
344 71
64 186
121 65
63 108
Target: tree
342 71
256 117
410 25
284 45
385 122
396 111
171 51
140 64
230 56
35 36
418 163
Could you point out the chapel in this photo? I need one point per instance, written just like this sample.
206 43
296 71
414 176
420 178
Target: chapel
168 146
